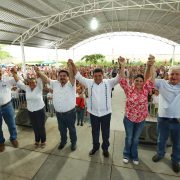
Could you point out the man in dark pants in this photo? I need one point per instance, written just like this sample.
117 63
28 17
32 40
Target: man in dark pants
67 121
64 101
99 105
104 123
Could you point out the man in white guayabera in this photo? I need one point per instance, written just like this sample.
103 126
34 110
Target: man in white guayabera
98 105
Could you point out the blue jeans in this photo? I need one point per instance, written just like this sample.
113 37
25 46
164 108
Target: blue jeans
104 123
165 127
67 121
80 115
7 113
133 131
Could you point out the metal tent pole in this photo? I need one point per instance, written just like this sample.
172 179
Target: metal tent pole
56 49
172 61
73 53
23 58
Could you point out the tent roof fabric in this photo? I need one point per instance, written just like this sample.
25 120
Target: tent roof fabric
64 23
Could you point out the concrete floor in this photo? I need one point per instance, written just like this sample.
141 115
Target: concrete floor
28 162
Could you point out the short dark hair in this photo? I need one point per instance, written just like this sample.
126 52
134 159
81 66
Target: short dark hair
64 71
139 76
97 70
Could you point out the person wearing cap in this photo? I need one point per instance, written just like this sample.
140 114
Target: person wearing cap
7 111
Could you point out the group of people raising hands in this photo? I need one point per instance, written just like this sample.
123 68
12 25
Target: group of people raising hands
99 107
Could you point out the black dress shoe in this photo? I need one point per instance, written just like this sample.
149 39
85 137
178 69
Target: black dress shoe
93 151
61 146
156 158
106 154
73 147
175 167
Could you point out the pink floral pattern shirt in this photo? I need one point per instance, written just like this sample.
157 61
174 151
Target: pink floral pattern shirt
136 101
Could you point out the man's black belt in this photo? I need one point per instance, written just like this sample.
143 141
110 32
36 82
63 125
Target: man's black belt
4 105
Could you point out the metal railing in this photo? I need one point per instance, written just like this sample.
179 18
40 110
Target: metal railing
19 102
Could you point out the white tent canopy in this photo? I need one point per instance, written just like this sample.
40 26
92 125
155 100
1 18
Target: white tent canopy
64 23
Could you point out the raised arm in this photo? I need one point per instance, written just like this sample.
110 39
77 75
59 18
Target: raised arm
71 73
20 84
122 63
115 81
150 69
77 74
123 81
42 75
14 73
74 69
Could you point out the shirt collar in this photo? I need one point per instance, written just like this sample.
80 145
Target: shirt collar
99 84
172 84
64 84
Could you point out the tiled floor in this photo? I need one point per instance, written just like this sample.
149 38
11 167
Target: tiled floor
28 162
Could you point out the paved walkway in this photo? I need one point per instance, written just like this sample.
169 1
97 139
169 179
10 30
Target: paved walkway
49 163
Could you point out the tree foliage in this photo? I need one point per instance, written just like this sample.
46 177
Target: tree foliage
93 58
4 54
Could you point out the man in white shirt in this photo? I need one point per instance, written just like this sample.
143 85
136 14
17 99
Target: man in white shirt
169 116
64 101
98 105
7 111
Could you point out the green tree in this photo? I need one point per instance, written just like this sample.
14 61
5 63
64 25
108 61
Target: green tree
3 54
93 58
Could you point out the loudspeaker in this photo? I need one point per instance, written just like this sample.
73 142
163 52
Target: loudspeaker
149 134
22 118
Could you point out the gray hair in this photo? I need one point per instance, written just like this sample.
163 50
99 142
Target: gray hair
177 68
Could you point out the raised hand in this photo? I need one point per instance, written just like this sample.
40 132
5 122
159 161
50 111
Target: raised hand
36 69
69 63
14 70
151 60
150 69
121 61
72 66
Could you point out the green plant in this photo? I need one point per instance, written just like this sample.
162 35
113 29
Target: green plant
93 58
3 54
